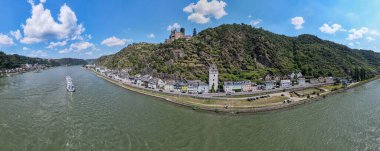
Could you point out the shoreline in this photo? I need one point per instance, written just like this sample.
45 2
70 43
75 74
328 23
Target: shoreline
179 100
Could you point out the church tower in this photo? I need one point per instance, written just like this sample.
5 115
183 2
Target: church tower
213 77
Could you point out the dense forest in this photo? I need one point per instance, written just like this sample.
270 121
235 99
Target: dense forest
242 52
14 61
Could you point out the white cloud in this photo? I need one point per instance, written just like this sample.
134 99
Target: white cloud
78 47
298 22
56 44
370 39
174 26
151 36
198 18
249 16
5 40
255 22
64 51
357 33
89 37
38 53
41 26
374 32
25 48
113 41
16 34
42 1
88 53
325 28
203 11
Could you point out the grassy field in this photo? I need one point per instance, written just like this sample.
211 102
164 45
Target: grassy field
243 96
311 91
233 103
332 87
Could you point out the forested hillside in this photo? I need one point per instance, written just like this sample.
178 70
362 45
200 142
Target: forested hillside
242 52
14 61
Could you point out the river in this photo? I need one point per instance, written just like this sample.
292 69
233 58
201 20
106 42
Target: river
37 113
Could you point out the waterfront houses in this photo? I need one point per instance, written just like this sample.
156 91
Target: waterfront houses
22 69
203 87
237 86
285 83
269 85
180 86
192 86
246 86
156 83
169 85
198 87
230 86
330 80
145 80
301 81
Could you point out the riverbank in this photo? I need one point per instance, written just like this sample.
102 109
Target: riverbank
235 105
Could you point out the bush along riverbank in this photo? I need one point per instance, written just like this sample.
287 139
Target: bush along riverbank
243 104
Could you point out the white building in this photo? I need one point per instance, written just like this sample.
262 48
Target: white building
169 85
285 83
301 81
292 76
329 80
203 88
237 86
269 85
156 83
213 77
138 82
192 86
299 75
230 86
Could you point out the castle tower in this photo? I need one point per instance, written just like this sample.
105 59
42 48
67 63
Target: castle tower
213 77
182 30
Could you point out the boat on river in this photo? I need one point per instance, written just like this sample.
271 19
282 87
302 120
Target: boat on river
69 84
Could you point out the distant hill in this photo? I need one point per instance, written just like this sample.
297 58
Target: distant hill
242 52
70 61
14 61
90 61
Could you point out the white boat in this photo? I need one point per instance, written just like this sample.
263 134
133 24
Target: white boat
69 84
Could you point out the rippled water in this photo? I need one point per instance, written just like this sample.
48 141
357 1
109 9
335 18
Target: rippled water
36 113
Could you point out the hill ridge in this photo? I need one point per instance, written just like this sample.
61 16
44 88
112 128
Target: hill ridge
242 52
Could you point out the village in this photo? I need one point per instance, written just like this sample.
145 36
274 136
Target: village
270 84
22 69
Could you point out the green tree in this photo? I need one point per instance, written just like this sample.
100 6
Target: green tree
212 88
194 32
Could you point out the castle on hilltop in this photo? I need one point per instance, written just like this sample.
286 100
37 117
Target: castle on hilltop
174 35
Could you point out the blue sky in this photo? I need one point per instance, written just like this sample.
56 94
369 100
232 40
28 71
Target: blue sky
91 28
